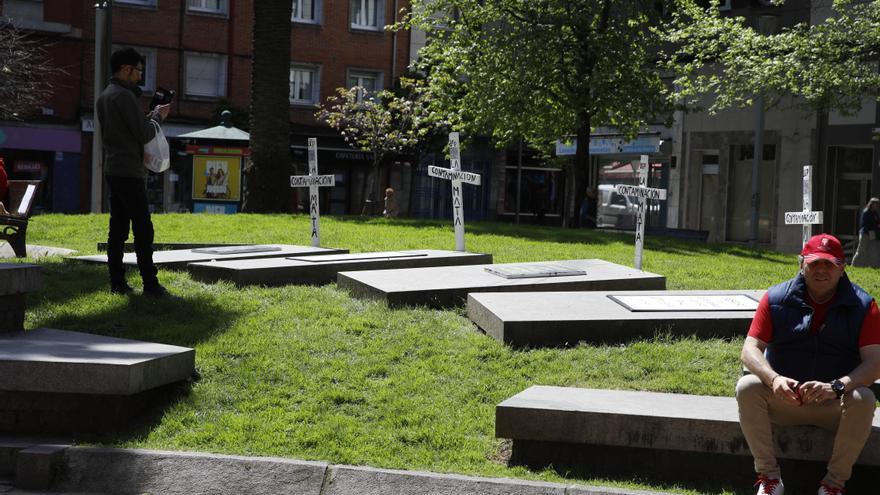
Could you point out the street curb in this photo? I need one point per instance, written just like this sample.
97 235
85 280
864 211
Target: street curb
130 471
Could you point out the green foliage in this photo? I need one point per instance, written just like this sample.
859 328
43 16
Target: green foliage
311 373
828 65
540 70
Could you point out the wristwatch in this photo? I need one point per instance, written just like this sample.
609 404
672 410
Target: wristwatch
838 387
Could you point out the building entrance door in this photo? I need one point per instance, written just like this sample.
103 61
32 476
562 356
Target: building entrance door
852 189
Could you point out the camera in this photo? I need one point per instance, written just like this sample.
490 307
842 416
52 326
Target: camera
161 96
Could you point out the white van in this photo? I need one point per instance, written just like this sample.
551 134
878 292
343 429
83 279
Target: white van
614 210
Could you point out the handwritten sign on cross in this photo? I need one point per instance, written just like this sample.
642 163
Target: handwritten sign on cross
805 217
644 193
313 181
457 176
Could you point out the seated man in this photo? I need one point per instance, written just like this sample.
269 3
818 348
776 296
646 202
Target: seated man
821 334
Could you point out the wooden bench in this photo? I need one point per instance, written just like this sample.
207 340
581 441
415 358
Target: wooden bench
13 227
657 435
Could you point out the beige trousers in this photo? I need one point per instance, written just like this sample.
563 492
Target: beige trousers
851 418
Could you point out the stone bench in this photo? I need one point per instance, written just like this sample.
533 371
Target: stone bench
655 434
16 279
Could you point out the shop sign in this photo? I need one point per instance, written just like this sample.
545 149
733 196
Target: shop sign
196 149
27 166
612 146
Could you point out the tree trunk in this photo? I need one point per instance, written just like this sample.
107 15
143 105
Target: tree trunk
267 180
581 169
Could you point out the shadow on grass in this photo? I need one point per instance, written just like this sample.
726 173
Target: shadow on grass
182 320
659 243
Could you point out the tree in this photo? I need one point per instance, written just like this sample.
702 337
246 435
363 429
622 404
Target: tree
382 123
25 73
267 179
828 65
542 70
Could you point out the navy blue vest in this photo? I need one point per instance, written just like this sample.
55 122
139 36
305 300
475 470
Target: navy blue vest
834 350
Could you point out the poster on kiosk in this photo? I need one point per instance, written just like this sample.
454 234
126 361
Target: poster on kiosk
216 181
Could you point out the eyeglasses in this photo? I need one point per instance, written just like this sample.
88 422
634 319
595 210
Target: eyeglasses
139 69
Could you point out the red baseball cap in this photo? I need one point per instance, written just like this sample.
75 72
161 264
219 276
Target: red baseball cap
823 246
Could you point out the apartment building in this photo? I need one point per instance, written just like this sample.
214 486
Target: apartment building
202 50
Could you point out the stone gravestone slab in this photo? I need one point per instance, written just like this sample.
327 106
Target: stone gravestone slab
565 318
323 269
16 279
55 381
655 434
447 287
177 259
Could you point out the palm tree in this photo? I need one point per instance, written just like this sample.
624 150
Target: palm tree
266 180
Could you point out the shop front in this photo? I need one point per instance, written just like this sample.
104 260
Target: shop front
50 155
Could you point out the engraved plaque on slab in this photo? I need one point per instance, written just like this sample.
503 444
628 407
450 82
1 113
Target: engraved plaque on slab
355 257
236 249
708 302
534 270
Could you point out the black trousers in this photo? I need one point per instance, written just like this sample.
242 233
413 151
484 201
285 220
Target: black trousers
128 205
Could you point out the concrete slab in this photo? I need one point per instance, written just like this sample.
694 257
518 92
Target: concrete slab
58 361
566 318
650 420
18 278
323 269
449 286
177 259
34 251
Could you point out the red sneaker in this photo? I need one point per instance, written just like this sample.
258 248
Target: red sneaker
769 486
826 489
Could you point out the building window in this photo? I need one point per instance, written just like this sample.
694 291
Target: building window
148 83
205 74
724 5
145 3
367 14
306 11
369 80
209 6
304 85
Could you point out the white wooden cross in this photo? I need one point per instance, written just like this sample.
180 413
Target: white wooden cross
313 181
643 192
455 174
805 217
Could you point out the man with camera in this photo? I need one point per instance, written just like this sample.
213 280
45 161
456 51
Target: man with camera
124 130
813 349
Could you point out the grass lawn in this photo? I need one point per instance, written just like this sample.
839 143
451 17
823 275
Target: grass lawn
310 373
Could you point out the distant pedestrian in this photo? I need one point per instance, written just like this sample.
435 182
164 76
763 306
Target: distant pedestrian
588 208
868 250
390 204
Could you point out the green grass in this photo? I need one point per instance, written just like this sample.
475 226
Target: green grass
310 373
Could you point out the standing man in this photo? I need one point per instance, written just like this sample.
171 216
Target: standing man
125 130
813 349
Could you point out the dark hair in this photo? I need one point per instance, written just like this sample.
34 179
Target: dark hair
125 56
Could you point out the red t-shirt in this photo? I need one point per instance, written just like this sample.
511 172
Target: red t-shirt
762 323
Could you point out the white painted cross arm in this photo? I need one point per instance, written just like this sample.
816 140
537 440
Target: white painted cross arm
312 180
450 174
803 217
641 192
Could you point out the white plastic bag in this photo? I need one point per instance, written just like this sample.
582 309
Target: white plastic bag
157 157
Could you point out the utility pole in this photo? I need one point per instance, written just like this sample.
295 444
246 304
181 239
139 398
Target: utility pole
103 44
